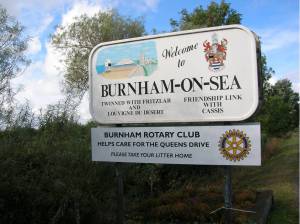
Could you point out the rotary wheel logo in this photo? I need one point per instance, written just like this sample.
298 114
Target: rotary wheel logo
234 145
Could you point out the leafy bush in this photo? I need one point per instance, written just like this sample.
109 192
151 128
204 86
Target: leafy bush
49 177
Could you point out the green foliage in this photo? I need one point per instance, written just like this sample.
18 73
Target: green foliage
280 111
17 115
48 175
215 15
266 74
78 39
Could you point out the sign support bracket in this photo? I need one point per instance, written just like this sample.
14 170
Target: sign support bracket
120 194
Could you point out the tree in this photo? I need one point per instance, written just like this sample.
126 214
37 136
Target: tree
13 45
78 39
266 74
215 15
280 112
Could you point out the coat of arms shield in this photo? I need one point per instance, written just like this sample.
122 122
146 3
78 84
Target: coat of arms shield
215 53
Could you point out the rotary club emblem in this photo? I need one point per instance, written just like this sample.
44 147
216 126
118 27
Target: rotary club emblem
234 145
215 53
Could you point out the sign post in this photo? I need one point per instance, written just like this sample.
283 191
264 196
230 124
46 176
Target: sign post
203 75
120 194
227 194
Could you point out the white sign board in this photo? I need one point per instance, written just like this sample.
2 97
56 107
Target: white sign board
191 76
206 145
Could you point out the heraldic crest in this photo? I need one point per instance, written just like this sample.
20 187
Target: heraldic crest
215 53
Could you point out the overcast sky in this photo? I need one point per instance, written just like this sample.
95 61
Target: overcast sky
275 21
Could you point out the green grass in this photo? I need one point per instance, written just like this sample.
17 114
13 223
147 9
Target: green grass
279 173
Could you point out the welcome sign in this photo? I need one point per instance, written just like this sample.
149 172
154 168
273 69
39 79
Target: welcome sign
192 76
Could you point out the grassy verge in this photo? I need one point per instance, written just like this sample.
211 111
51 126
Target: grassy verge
280 173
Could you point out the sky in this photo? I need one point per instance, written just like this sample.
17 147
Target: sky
275 21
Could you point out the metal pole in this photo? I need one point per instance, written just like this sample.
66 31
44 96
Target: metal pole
120 194
227 194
